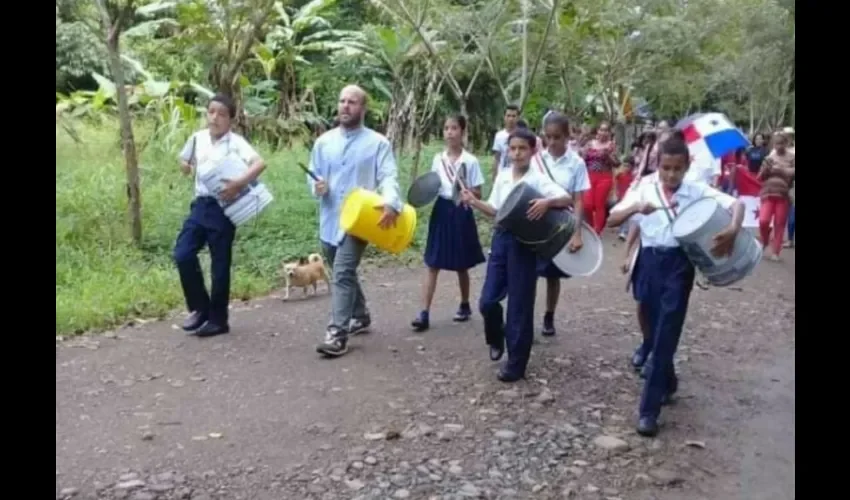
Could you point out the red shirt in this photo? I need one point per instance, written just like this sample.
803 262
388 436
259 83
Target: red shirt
728 162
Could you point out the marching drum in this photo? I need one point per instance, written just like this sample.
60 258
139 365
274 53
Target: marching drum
250 202
695 228
549 235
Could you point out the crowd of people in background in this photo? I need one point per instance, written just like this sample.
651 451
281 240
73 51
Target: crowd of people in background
764 170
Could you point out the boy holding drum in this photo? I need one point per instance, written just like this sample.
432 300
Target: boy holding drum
665 276
207 225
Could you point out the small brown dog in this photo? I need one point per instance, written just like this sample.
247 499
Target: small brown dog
305 273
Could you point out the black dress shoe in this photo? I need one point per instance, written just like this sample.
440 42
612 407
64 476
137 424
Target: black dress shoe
211 330
496 353
506 376
421 323
638 359
647 427
194 321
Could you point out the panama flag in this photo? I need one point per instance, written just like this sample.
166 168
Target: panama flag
711 134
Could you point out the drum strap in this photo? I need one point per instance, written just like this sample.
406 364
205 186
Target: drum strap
665 203
544 168
449 170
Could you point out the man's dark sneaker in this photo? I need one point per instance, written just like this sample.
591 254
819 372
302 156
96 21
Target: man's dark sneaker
334 345
358 326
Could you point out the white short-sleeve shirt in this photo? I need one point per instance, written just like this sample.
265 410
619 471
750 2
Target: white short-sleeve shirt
448 170
204 153
656 229
505 183
569 171
500 145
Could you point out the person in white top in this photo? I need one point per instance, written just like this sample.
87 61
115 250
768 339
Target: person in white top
567 169
500 140
207 223
665 275
452 243
511 267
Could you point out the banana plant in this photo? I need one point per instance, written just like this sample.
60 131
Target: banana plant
296 37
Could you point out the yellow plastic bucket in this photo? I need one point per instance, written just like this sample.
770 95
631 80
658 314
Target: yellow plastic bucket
360 218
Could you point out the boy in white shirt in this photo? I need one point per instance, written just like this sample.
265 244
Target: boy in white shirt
207 224
665 276
512 265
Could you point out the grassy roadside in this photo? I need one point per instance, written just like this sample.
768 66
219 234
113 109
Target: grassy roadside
102 280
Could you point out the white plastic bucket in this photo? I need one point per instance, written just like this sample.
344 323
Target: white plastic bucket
695 228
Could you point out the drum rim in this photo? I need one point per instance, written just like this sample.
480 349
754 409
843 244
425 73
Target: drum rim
703 199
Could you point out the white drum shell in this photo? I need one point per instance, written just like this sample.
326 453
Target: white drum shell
695 227
250 205
587 260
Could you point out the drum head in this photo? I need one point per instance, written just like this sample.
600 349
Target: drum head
587 260
424 189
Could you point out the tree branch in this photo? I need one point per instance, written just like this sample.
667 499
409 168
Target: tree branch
540 50
248 37
431 51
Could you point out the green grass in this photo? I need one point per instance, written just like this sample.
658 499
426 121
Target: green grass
102 280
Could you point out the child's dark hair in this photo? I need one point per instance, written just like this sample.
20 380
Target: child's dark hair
522 124
226 101
460 120
675 146
524 134
638 142
559 119
512 107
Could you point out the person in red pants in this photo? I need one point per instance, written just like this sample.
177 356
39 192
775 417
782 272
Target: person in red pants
600 155
776 176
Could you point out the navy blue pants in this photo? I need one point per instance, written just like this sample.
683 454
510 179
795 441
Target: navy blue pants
667 277
510 274
206 225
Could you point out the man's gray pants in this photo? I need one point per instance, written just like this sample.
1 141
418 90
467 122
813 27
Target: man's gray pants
347 299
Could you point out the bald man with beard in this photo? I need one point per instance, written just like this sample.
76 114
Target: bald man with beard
344 158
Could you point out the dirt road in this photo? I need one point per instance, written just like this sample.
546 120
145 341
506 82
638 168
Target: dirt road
147 413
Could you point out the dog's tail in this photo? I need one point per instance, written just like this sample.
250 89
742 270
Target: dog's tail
314 257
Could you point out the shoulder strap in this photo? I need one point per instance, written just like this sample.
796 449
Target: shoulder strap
665 203
541 163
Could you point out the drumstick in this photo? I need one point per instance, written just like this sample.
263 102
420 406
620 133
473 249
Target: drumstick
460 181
457 177
309 172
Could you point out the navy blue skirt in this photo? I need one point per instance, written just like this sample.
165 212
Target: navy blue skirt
453 243
546 269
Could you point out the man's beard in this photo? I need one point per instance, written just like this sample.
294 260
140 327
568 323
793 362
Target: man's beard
352 122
